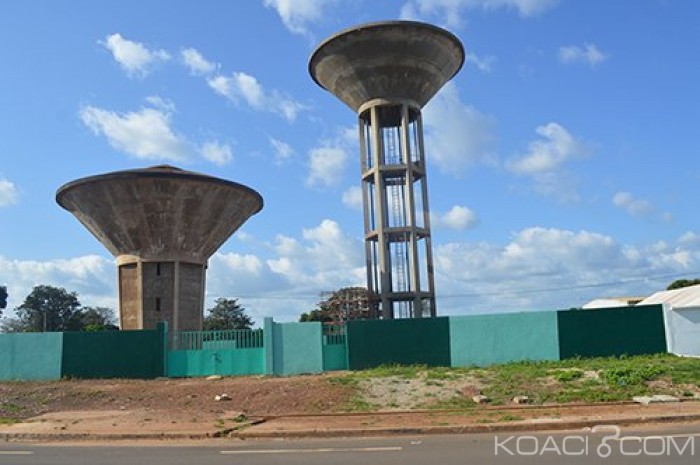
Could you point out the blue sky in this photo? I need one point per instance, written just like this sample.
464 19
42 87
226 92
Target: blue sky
563 159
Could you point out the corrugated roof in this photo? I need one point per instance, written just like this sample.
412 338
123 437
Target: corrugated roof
677 298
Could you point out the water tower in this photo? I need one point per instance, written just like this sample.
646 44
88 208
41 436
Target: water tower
162 224
387 72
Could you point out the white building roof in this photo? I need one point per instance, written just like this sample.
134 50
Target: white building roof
677 298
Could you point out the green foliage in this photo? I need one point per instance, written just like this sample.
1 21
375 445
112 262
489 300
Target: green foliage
315 315
3 298
680 283
568 375
95 319
227 314
630 375
49 308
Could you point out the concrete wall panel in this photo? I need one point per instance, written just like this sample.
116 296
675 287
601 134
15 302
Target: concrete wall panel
611 331
406 342
297 348
483 340
30 356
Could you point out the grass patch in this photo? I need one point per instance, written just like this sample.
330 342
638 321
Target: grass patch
576 380
568 375
9 421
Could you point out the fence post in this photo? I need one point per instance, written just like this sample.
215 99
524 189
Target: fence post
268 342
162 328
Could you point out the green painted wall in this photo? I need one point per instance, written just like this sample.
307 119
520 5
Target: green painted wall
225 362
489 339
113 354
30 356
407 342
296 348
611 331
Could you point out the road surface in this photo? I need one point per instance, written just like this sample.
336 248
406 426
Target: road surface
676 444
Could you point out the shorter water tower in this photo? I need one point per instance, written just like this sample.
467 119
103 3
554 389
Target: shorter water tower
162 224
386 72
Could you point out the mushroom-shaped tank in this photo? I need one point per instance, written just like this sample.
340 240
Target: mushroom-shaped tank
162 223
404 60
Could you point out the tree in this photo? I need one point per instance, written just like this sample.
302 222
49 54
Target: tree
680 283
226 314
316 315
3 298
49 308
93 319
347 303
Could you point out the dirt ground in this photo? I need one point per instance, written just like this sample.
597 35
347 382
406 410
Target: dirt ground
191 397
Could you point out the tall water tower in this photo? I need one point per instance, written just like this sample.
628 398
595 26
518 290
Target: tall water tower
387 72
162 224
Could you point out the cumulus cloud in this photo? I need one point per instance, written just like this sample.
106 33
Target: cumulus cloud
458 218
196 63
549 268
326 166
298 15
9 194
242 87
588 54
282 150
545 159
323 258
632 205
352 198
549 153
451 12
93 277
148 134
145 134
640 208
457 135
217 153
134 57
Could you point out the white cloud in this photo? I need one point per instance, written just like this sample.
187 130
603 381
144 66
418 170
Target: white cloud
134 57
145 134
458 217
545 160
244 87
323 258
282 150
297 15
352 198
217 153
588 54
451 12
166 105
326 166
549 154
632 205
93 277
549 268
196 63
482 63
9 194
457 135
640 208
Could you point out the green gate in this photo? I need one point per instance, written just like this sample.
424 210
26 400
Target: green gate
335 347
204 353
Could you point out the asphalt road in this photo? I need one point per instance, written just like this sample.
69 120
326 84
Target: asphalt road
661 445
